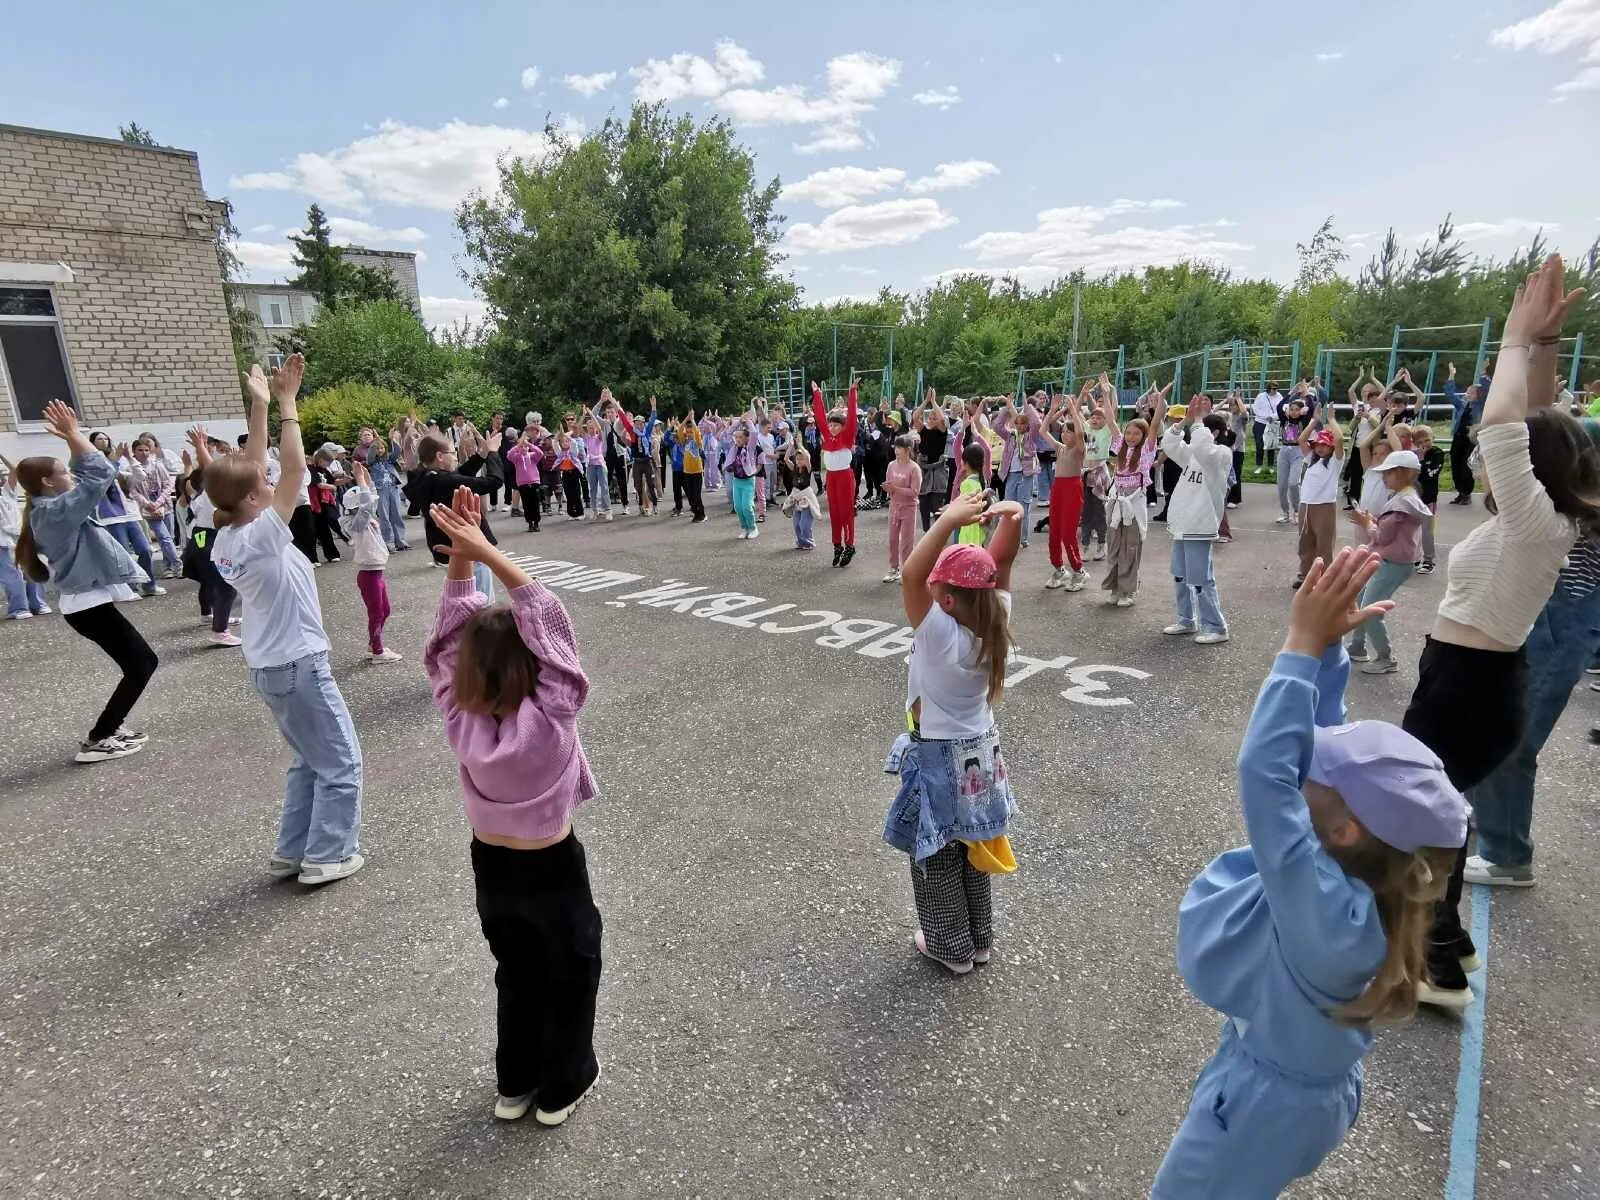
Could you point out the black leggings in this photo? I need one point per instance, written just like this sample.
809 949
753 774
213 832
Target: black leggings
303 531
572 485
530 504
114 633
691 490
1469 708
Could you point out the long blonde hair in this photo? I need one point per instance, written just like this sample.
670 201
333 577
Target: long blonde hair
1406 886
980 610
229 480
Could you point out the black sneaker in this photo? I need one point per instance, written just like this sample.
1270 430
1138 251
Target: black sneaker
1445 984
1042 524
1425 567
838 553
697 520
849 553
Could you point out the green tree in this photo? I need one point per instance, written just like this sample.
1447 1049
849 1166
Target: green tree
981 359
323 272
641 257
466 390
136 134
337 414
383 343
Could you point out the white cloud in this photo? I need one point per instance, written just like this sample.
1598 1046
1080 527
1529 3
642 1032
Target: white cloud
859 270
267 228
530 78
405 165
264 181
449 310
1478 231
265 258
838 186
860 227
1330 56
940 97
590 85
1080 238
363 233
1566 25
953 175
854 83
500 103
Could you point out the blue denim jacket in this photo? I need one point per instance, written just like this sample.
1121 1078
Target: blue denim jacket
82 554
383 471
949 791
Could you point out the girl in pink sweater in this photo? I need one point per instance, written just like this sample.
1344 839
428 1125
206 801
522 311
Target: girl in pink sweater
507 681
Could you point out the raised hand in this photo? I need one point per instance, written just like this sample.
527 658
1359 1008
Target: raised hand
466 538
465 504
60 420
1541 305
1325 608
197 436
286 379
966 509
256 386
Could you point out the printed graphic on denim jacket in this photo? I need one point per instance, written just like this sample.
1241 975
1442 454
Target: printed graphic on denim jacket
949 791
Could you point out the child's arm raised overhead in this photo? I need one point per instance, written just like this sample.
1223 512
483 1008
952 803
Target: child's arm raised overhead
285 389
1007 537
1537 314
1310 905
914 572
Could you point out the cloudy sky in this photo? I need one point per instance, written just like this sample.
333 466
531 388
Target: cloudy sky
912 139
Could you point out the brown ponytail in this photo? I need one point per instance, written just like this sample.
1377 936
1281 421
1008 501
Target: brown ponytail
980 610
31 474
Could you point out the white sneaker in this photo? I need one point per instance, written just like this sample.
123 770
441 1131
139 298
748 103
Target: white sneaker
1076 580
1210 639
106 748
225 639
1124 602
44 611
512 1108
135 597
754 534
1456 1000
560 1115
24 615
384 656
1099 552
315 873
1178 629
1359 654
1058 578
1283 520
1480 870
156 590
892 577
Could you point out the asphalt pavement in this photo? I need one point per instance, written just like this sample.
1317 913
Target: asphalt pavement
174 1024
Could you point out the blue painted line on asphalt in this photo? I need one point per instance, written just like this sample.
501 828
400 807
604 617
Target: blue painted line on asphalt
1461 1183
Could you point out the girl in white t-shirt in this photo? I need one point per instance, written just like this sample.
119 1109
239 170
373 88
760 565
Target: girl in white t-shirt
215 596
284 645
954 804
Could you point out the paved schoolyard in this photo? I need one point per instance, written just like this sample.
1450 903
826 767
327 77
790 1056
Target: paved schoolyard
172 1024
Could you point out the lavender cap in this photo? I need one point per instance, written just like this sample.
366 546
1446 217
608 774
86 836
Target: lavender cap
1394 784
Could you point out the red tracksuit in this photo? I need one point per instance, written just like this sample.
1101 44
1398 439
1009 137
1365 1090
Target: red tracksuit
841 480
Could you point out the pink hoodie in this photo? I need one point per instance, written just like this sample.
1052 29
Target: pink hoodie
523 774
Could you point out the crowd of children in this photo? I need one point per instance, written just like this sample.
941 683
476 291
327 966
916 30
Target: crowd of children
1342 912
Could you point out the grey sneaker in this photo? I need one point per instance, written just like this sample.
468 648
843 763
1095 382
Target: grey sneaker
282 868
512 1108
106 748
1380 666
315 873
1480 870
1360 654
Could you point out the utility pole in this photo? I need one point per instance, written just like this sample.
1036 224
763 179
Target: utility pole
1077 310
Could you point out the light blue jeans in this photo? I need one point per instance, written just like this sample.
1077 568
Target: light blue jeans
23 594
743 492
1019 487
599 487
322 799
483 579
162 527
131 535
1563 642
1385 583
392 517
1194 583
802 527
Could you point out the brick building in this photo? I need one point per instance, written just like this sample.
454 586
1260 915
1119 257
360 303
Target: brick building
110 292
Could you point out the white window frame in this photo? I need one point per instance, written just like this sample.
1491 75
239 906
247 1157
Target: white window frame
265 307
275 359
19 423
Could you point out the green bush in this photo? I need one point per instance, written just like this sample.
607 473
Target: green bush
336 414
469 392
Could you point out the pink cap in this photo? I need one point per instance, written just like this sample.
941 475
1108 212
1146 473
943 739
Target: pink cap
1322 437
964 566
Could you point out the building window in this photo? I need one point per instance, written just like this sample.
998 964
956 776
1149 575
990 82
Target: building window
33 354
275 312
274 359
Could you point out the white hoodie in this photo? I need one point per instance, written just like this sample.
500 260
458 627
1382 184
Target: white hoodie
1197 502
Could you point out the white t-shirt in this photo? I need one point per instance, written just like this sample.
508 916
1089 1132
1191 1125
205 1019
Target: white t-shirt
945 676
202 512
1374 494
1319 482
75 602
282 615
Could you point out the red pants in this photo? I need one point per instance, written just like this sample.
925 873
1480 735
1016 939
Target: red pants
842 506
1066 510
374 591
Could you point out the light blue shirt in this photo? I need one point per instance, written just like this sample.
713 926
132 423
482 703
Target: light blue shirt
1275 934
